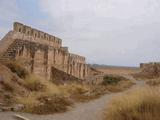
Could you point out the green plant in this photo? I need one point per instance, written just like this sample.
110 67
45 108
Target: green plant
110 79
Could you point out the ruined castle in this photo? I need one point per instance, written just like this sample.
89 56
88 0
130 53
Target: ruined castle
42 53
152 68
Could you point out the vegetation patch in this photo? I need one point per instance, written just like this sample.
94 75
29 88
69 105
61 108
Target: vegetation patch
111 79
115 83
144 76
38 103
140 104
44 97
41 96
93 93
34 83
154 82
52 104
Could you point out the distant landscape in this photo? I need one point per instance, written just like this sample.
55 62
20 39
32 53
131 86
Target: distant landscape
79 60
108 69
109 66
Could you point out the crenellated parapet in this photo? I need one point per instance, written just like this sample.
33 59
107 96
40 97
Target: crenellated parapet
77 58
42 53
25 32
65 49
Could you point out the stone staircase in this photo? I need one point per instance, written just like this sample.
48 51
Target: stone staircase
6 41
7 47
11 51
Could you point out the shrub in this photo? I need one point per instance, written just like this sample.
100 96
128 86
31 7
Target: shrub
34 83
141 104
154 82
111 80
29 100
75 88
44 96
41 104
52 104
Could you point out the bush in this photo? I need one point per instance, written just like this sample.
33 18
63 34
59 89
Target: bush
29 100
140 104
111 80
34 83
52 104
154 82
75 88
42 104
43 97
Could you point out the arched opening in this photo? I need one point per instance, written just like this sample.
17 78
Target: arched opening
19 30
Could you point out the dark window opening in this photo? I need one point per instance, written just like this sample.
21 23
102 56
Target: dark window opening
20 30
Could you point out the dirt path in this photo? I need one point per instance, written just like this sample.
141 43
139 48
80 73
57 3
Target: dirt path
92 110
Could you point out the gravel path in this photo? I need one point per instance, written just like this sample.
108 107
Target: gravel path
92 110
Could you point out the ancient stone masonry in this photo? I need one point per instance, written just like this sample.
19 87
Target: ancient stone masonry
41 53
152 68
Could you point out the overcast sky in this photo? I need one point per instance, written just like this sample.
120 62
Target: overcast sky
112 32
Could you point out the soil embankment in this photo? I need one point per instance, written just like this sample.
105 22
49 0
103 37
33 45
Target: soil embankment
92 110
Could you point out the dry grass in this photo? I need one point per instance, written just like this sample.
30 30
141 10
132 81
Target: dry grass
94 93
143 76
42 96
45 97
74 88
120 86
154 82
29 100
10 82
39 103
140 104
83 92
35 83
116 83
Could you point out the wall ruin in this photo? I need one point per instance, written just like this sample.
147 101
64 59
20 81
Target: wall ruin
152 68
41 52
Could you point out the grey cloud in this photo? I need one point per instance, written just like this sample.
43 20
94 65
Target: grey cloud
9 13
116 32
120 32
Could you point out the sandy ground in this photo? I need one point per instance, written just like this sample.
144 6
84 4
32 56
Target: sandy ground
92 110
119 70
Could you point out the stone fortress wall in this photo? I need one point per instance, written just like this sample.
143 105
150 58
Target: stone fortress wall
42 52
38 35
152 68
